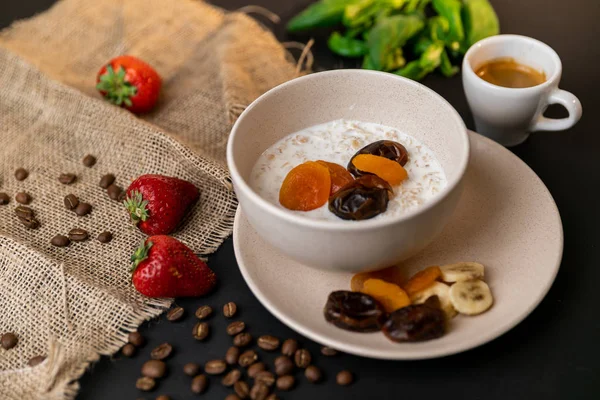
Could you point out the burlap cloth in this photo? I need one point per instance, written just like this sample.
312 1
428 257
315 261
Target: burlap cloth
75 303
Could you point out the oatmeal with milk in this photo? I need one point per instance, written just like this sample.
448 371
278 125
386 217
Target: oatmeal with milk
350 170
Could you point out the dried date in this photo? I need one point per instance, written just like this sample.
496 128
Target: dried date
354 311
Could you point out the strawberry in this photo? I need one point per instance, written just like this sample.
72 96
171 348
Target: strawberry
129 82
158 203
164 267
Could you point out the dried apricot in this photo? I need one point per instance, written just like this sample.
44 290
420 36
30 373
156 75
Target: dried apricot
391 296
390 274
305 187
340 176
422 280
386 169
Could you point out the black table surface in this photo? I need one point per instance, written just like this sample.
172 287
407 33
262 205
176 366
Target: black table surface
553 354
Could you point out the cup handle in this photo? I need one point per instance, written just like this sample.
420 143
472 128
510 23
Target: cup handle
568 101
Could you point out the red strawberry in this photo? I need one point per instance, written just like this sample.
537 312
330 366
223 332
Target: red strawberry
165 267
129 82
158 203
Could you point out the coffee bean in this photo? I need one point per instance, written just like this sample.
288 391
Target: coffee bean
161 352
114 192
268 342
36 360
23 198
191 369
200 331
289 347
328 351
122 196
30 222
215 367
313 374
256 368
242 389
145 384
272 396
242 339
302 358
24 212
154 369
229 309
265 377
232 377
21 174
105 237
78 235
71 201
128 350
175 314
344 378
285 382
107 180
247 358
203 312
83 209
163 397
4 199
9 340
232 396
232 356
199 384
283 365
136 339
67 179
235 327
89 160
259 391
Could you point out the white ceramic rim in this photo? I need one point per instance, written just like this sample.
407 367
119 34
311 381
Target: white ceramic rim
466 64
484 338
344 225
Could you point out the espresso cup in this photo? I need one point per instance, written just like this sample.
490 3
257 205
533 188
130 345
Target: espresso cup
508 115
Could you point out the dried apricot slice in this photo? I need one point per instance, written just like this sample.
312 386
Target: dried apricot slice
340 176
390 274
305 187
386 169
391 296
422 280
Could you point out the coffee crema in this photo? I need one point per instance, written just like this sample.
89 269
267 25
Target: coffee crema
508 73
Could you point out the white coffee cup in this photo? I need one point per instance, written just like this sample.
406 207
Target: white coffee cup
508 115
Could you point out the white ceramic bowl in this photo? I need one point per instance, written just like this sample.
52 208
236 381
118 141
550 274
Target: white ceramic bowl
359 95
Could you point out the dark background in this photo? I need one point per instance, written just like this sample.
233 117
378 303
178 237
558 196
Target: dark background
553 354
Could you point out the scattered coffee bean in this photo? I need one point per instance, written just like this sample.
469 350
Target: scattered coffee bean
215 367
235 327
302 358
232 396
255 368
272 396
83 209
285 382
232 356
203 312
289 347
114 192
283 365
313 374
161 352
30 222
21 174
71 201
67 179
242 339
154 369
229 309
136 339
78 235
128 350
145 384
37 360
328 351
163 397
199 384
248 358
9 340
268 342
265 377
89 160
191 369
175 314
4 199
344 378
231 378
259 391
107 180
105 237
200 331
24 212
23 198
242 389
122 196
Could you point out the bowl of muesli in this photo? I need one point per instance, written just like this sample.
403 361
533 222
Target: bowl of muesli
348 170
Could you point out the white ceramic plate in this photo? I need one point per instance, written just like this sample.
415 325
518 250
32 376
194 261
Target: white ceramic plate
506 220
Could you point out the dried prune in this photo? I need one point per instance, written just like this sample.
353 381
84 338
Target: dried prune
383 148
357 312
364 198
417 322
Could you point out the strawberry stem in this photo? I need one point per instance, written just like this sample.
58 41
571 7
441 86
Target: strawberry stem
136 206
140 254
116 88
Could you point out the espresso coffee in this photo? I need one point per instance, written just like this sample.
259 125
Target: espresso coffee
509 73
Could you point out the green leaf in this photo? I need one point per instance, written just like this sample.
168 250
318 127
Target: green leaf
322 14
451 10
390 34
346 47
480 21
